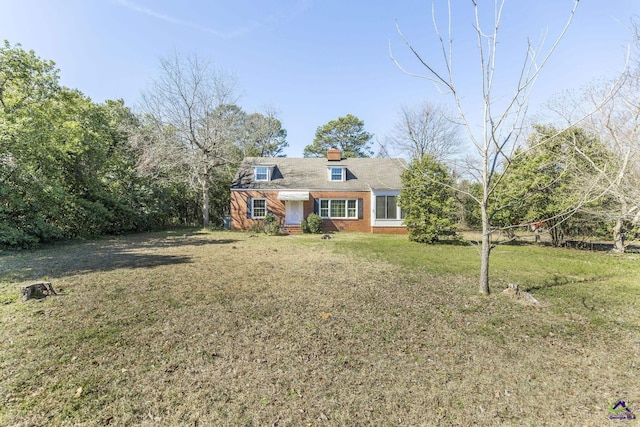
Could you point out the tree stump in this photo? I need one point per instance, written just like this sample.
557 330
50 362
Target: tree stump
37 290
513 291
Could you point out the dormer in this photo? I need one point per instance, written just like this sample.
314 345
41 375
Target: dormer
262 173
337 173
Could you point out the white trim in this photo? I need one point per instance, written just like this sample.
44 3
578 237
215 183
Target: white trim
293 212
383 222
253 208
343 173
314 190
255 172
346 208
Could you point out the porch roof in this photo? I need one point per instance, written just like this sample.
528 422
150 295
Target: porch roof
293 195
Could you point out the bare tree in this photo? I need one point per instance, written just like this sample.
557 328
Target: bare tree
501 117
617 125
189 128
424 130
382 150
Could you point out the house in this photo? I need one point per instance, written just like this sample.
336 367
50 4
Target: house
349 194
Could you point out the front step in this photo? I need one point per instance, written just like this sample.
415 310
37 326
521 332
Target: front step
292 229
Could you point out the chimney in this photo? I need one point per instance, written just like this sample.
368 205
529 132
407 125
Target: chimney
334 155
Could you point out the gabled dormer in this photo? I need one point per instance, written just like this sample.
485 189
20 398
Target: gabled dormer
336 173
263 173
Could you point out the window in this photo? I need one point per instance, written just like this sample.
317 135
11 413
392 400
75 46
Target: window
336 174
261 173
352 209
258 208
387 208
339 208
324 208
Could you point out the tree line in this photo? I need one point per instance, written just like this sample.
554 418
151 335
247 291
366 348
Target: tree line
567 183
71 167
74 168
575 177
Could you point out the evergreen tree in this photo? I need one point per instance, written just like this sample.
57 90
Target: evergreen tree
427 200
346 134
550 181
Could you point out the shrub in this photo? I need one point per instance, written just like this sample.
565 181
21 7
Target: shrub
428 201
11 237
257 227
270 224
313 224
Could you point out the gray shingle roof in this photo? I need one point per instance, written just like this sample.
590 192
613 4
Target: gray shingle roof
363 174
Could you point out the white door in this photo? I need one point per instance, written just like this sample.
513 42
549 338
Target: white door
293 212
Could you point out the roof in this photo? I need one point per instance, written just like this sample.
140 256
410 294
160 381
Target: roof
363 174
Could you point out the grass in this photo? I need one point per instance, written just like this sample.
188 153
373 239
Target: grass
217 328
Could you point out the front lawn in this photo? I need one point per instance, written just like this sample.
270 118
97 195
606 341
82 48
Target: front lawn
220 328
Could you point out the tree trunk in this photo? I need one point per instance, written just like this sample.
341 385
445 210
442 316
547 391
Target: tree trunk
205 202
556 233
485 251
618 236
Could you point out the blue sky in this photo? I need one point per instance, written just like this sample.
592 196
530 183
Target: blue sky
310 60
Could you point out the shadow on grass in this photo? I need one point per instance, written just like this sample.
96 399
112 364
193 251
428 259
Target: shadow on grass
518 242
448 242
187 241
513 242
173 239
551 282
453 242
128 252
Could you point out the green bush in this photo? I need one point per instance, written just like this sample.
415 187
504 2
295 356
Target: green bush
313 224
270 224
428 200
11 237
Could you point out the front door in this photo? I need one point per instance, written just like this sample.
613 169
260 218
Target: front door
293 213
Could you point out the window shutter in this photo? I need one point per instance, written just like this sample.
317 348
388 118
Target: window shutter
316 206
360 208
249 204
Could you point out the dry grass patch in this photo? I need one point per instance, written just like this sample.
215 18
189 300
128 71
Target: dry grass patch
221 329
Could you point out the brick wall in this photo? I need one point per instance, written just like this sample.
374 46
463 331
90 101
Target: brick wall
389 230
239 220
363 224
239 199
